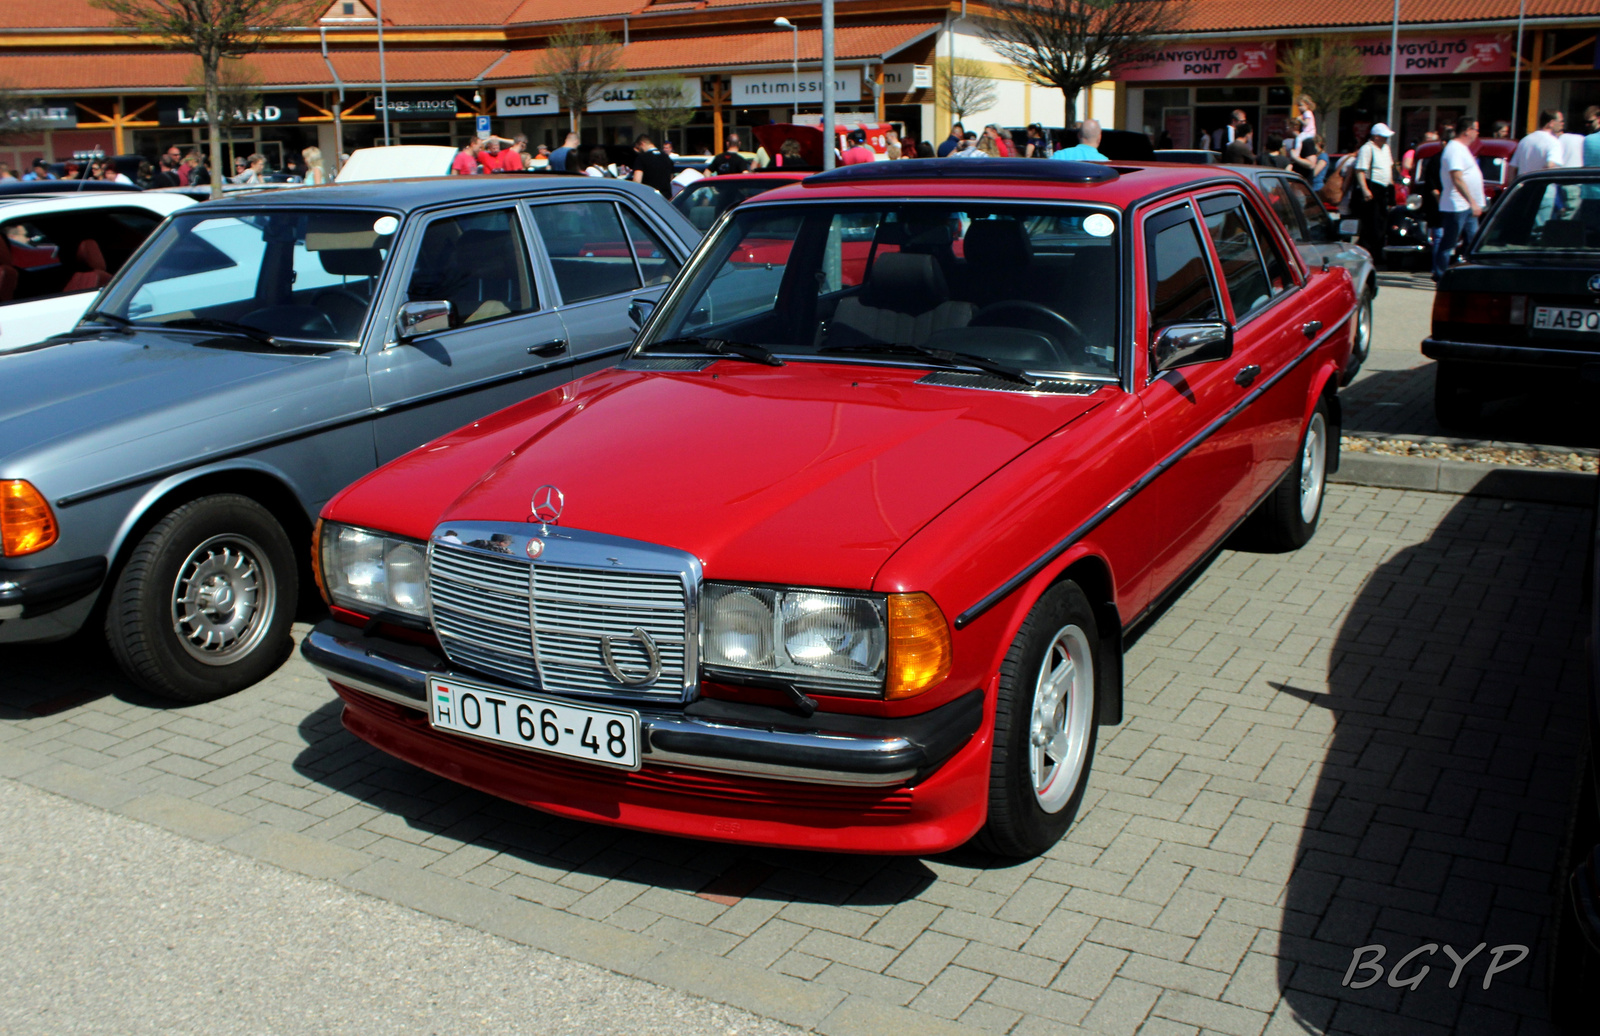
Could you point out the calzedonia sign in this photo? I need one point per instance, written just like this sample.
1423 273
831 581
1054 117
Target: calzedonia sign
272 109
416 107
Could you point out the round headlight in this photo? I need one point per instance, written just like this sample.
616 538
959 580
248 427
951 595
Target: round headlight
739 629
831 631
1414 202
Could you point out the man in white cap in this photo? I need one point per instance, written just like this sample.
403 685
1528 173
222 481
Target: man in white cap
1374 192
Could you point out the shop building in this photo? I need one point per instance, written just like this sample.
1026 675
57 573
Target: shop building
1452 59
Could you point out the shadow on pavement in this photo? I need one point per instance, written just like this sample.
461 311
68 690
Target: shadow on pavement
336 759
43 679
1551 411
1455 690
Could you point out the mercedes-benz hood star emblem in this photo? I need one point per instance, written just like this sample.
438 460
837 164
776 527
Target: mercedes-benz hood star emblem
548 504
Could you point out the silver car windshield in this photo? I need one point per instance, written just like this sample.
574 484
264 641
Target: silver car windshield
1030 286
307 275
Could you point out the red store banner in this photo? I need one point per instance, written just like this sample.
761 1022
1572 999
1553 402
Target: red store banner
1236 60
1444 54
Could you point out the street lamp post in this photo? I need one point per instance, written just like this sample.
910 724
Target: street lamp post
794 63
827 84
1394 48
383 77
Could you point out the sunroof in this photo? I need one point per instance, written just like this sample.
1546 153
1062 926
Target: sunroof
1049 170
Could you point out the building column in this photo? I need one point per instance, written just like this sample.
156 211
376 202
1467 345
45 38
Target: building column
1534 70
116 128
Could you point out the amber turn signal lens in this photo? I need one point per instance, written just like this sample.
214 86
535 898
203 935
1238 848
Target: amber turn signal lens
26 522
919 646
316 562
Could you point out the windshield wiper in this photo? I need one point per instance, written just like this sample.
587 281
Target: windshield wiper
255 334
110 318
945 356
723 347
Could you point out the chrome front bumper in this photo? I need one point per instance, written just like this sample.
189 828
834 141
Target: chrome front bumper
717 736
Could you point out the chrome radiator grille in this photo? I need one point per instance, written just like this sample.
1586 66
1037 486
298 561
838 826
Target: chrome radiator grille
551 625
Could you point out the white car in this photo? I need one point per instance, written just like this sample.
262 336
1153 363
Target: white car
397 162
58 250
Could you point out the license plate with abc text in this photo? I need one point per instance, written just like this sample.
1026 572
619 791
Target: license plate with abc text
606 736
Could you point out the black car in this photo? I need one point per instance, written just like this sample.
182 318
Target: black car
1523 309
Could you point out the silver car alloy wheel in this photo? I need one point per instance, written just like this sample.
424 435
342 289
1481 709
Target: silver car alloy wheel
223 599
1313 467
1061 722
1363 329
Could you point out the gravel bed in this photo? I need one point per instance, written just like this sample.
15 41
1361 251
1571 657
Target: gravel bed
1522 456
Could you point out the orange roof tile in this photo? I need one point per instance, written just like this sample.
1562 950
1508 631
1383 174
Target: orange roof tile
1228 15
167 71
851 42
425 13
53 14
534 11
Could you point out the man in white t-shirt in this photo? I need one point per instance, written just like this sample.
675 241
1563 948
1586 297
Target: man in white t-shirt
1460 194
1542 148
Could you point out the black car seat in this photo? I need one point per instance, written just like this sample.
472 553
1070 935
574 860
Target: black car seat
487 277
999 265
346 304
904 299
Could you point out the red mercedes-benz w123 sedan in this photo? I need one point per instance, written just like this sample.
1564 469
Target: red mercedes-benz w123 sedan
842 555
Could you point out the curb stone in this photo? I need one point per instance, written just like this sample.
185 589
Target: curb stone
820 1008
1468 478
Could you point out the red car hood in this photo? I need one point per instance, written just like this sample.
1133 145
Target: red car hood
810 473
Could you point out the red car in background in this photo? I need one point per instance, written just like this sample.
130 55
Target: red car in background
843 555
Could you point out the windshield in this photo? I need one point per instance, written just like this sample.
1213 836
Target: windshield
705 200
292 274
1031 286
1555 215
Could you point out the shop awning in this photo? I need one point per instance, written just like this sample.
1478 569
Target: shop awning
169 72
852 44
1243 15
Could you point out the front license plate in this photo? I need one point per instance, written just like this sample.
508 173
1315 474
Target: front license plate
1562 318
609 737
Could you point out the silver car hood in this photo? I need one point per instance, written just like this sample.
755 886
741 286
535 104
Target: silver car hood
114 390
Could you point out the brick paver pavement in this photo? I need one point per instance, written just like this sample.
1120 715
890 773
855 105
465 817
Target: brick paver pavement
1371 741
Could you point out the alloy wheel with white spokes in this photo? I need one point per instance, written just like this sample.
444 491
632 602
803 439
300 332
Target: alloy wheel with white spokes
1313 467
1062 719
1046 716
223 599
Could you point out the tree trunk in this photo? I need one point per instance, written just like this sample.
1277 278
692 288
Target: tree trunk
213 121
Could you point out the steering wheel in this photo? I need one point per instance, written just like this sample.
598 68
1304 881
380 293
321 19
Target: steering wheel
347 310
987 317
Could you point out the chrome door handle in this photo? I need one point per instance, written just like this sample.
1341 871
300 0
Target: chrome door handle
550 348
1247 374
1310 328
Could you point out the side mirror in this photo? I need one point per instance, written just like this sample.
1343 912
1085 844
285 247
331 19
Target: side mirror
1183 345
1349 229
639 311
424 318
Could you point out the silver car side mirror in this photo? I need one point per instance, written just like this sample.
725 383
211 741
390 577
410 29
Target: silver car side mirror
424 318
1183 345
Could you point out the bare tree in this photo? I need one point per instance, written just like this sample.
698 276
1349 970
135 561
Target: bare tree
1074 44
238 93
213 31
1328 70
578 64
966 87
661 104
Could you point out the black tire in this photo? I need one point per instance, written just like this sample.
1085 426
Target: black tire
1363 337
1281 523
1018 824
1457 395
239 587
1574 964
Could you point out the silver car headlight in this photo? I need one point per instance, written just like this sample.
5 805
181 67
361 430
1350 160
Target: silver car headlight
817 639
1414 202
370 572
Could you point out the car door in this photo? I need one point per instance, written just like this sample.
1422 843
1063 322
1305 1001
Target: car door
603 255
61 261
1202 488
1258 283
505 341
